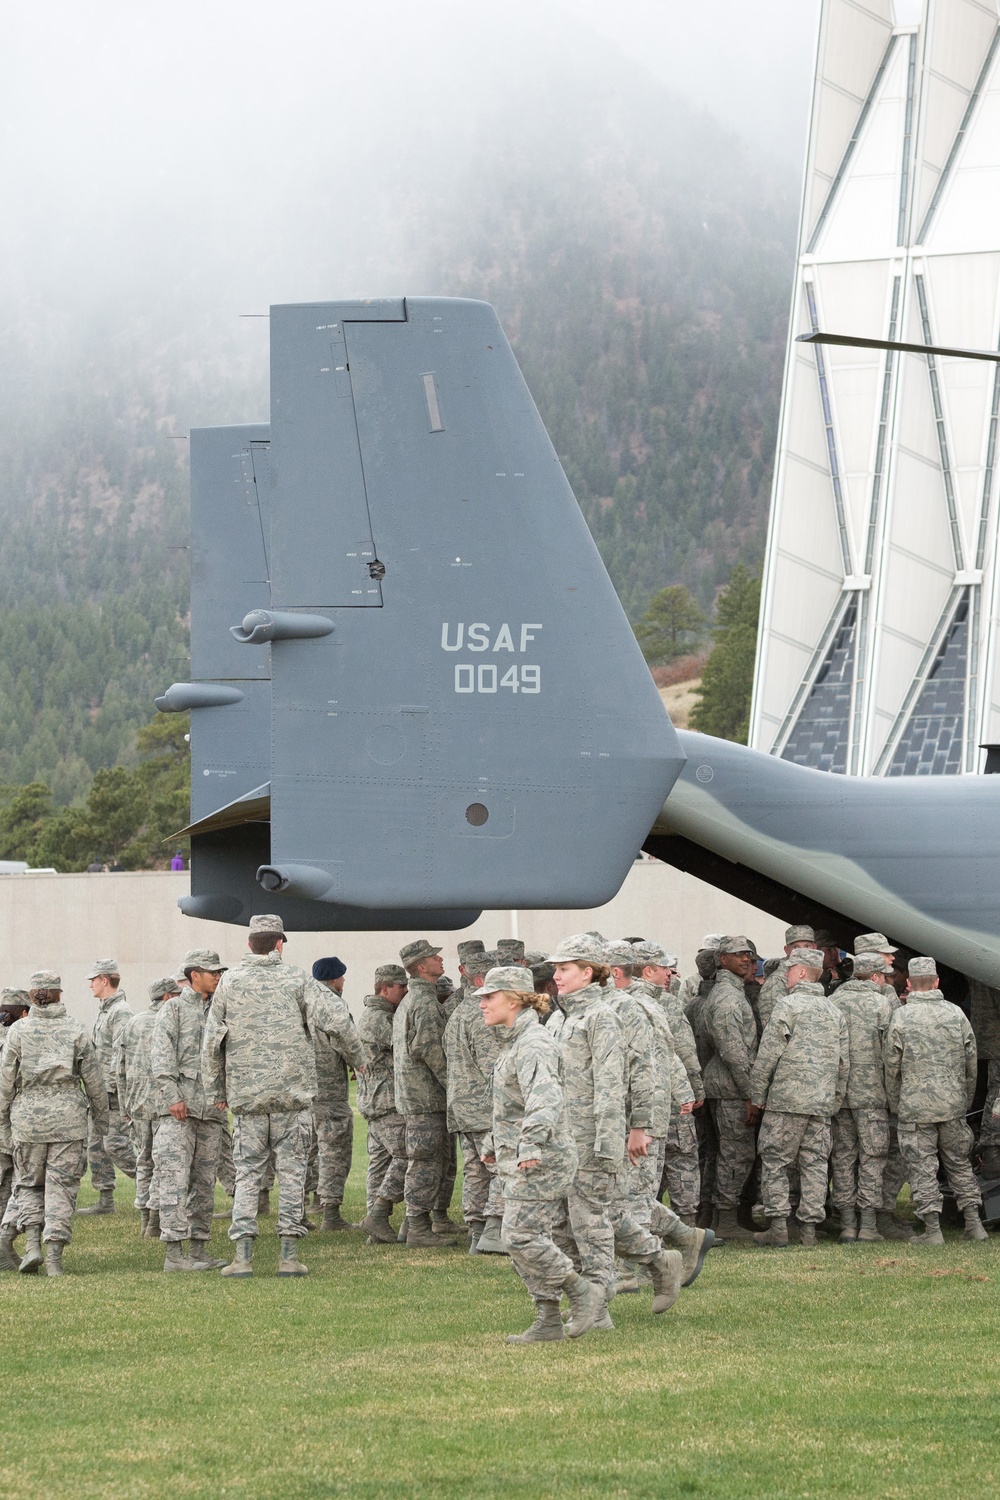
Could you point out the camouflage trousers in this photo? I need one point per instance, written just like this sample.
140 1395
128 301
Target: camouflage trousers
6 1181
482 1193
224 1168
527 1235
449 1173
857 1162
386 1159
110 1151
334 1145
662 1220
737 1149
989 1134
426 1151
47 1179
143 1132
708 1150
187 1158
582 1226
630 1209
681 1176
795 1140
288 1134
894 1174
921 1145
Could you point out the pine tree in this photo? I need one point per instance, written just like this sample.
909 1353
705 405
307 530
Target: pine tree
727 681
670 626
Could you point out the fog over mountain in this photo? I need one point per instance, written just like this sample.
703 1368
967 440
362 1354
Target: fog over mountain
166 172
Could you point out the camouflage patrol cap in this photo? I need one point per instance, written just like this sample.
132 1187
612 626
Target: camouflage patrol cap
583 948
619 954
268 922
482 963
710 942
738 944
9 999
511 950
203 958
107 967
469 949
799 935
922 968
670 959
161 988
542 973
598 935
414 952
45 979
532 958
873 942
508 977
811 957
390 974
647 953
867 964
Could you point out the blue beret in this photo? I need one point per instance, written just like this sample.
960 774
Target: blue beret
328 968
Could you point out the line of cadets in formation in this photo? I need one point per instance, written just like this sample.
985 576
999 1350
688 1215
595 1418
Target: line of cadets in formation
584 1086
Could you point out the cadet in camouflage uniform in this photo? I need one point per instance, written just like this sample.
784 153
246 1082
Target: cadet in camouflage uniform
799 1080
14 1004
531 1146
135 1096
671 1092
258 1056
471 1048
510 952
986 1026
727 1030
114 1149
421 1080
930 1081
861 1128
48 1073
332 1116
775 986
440 1222
681 1170
189 1124
377 1104
890 1226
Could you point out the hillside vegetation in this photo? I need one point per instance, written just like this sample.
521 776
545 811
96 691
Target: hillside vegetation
639 261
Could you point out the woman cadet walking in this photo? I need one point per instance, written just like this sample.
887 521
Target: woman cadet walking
535 1156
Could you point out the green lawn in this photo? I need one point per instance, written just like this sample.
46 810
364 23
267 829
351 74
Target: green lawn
868 1371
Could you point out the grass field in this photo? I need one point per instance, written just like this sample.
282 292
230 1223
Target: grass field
867 1371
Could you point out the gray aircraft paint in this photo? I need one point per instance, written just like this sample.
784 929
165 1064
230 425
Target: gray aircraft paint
915 857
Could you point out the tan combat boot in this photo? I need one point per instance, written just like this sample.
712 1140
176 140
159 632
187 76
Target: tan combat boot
152 1229
289 1263
586 1304
731 1229
868 1233
848 1226
932 1231
376 1223
889 1226
242 1262
490 1242
775 1234
974 1225
33 1257
420 1235
665 1271
8 1260
175 1259
547 1327
334 1219
105 1204
53 1258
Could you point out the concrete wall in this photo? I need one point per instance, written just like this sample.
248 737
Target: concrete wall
65 922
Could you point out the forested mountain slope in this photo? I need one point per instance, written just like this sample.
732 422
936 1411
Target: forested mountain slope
640 261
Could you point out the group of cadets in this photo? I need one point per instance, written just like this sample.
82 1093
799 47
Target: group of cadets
583 1087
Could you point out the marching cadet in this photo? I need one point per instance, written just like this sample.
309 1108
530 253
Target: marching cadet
113 1149
798 1081
531 1145
930 1080
775 986
49 1073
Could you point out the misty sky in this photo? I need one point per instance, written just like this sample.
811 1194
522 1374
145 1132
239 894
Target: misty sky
181 148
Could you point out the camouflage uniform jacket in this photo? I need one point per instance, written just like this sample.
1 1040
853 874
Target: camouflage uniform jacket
985 1019
334 1054
774 988
867 1009
639 1075
590 1040
48 1073
684 1042
175 1056
730 1034
663 1057
529 1112
471 1048
111 1017
801 1067
376 1085
132 1064
930 1060
687 990
421 1071
258 1054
